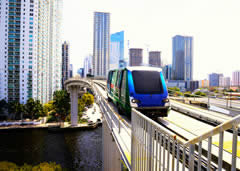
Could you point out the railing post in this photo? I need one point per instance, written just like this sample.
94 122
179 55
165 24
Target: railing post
234 147
119 126
208 101
132 142
191 157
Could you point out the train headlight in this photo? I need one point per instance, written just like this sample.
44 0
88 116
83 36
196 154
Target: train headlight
134 102
166 102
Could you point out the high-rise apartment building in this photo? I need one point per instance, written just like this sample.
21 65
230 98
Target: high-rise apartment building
236 78
136 57
224 81
117 50
182 61
87 65
167 72
65 62
154 58
26 51
204 83
214 79
101 43
71 71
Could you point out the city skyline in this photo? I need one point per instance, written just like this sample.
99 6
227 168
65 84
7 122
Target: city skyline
156 27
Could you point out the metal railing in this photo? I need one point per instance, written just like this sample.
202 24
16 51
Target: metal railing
225 100
155 148
121 130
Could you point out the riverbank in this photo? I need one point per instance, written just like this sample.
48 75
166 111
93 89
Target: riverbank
93 115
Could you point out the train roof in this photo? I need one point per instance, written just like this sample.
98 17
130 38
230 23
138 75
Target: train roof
145 68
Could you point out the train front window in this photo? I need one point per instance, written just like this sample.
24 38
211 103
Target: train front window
147 82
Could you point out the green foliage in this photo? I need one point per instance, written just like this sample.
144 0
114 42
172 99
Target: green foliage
178 93
199 93
51 118
88 99
61 104
52 166
3 105
47 108
172 90
33 109
230 90
68 118
188 94
82 120
16 108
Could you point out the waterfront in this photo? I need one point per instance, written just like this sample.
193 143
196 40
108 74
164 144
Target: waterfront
75 150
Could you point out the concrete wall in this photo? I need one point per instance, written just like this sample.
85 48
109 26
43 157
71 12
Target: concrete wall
111 154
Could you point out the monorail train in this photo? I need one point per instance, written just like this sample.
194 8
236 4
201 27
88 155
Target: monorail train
140 87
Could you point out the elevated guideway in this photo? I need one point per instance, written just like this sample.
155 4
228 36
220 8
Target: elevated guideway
200 113
147 145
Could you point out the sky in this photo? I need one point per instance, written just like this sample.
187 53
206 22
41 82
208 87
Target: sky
151 24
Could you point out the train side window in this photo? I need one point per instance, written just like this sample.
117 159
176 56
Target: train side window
110 77
120 79
116 79
123 84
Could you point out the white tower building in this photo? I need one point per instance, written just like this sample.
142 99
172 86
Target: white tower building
26 30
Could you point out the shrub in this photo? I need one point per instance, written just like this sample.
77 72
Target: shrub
51 118
88 99
52 166
68 118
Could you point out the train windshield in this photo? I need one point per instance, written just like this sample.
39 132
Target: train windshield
147 82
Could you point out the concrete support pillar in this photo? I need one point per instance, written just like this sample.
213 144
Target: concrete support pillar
73 90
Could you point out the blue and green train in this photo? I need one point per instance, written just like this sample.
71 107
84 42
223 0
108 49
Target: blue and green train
143 88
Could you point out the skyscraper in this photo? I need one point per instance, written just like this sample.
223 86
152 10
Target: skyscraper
26 29
236 78
154 58
71 71
65 62
182 65
214 79
87 65
136 57
117 50
167 70
101 44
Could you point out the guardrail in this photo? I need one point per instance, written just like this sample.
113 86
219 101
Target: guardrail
225 101
154 148
121 131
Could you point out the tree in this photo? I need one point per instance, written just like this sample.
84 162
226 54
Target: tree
38 109
16 108
48 107
61 103
3 105
88 99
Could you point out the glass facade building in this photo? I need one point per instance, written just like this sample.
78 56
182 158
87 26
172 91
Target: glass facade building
182 60
214 79
65 62
101 44
117 50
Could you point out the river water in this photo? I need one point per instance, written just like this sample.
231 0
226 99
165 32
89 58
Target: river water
76 150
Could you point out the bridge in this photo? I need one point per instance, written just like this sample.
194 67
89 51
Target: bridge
190 138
